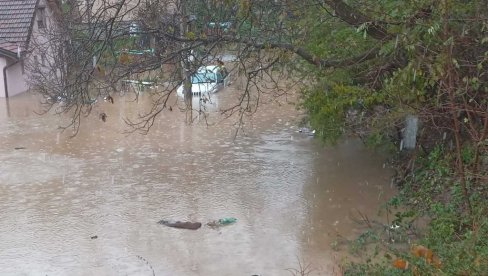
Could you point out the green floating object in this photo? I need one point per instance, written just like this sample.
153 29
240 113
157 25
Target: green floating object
226 221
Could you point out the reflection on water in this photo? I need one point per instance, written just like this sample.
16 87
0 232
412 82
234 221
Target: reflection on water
289 193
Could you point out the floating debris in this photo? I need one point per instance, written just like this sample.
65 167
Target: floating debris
140 82
181 224
109 99
306 130
19 148
394 226
227 221
103 117
221 222
94 237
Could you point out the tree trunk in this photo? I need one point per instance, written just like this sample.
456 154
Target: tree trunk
185 64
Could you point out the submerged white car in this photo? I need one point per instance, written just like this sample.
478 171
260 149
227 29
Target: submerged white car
207 80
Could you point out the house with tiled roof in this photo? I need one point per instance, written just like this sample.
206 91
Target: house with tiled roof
20 22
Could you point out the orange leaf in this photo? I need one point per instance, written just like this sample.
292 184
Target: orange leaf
400 264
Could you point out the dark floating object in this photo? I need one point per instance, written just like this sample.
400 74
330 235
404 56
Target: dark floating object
94 237
19 148
170 108
103 117
181 224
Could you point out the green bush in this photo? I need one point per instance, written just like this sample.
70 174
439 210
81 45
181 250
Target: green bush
457 237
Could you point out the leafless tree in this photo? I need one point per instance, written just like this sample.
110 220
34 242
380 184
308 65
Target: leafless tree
90 57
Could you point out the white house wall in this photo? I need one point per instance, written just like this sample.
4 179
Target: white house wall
40 37
105 9
39 48
128 12
16 80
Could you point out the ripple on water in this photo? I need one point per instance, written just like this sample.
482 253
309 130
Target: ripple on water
23 167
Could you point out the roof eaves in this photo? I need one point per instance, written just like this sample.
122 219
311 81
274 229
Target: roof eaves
8 53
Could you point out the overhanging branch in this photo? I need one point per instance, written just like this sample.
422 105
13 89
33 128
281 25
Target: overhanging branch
302 52
322 63
356 18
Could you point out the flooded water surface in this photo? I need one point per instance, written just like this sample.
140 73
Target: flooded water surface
89 205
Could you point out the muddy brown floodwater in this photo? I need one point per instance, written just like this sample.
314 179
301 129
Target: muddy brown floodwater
89 205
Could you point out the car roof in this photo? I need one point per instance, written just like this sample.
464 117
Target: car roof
204 69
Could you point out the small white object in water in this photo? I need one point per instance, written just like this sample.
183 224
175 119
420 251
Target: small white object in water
394 226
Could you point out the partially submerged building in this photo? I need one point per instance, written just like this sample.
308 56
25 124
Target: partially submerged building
20 22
